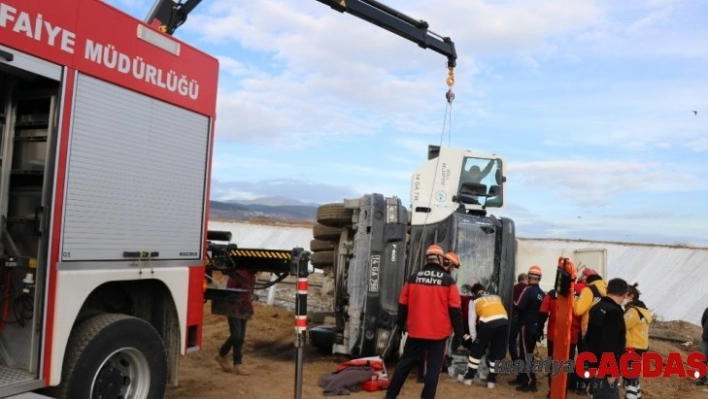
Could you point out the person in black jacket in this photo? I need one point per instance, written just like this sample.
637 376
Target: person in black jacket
531 321
704 344
607 334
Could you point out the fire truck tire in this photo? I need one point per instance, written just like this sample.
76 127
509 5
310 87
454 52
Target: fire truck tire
334 215
321 245
114 356
322 259
326 233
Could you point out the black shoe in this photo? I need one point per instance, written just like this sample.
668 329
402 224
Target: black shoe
519 381
527 388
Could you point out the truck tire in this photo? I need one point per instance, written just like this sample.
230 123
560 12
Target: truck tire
321 245
334 215
322 259
326 233
114 356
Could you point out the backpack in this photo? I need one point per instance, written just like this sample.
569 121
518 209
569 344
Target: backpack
596 296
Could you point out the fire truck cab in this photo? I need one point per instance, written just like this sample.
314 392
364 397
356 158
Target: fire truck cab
105 151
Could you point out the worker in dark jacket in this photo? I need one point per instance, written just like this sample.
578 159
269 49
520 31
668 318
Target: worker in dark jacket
488 324
606 333
429 308
530 319
515 327
704 344
238 311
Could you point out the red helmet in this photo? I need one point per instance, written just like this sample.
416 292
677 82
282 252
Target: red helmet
453 258
434 250
587 272
535 271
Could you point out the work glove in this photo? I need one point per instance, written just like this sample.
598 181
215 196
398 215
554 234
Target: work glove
467 341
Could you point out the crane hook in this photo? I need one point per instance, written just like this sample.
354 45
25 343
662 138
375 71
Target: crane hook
449 96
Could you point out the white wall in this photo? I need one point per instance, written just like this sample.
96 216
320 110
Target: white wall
673 280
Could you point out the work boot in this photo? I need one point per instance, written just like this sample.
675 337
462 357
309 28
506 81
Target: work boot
223 363
467 377
519 380
527 387
238 369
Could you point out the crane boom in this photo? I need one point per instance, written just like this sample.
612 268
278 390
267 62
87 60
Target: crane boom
168 15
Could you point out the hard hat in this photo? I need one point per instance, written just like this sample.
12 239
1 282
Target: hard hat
454 259
587 272
535 271
434 250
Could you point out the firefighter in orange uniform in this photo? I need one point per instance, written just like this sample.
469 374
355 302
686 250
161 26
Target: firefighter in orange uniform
429 307
488 323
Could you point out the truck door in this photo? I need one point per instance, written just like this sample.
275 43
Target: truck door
29 107
592 258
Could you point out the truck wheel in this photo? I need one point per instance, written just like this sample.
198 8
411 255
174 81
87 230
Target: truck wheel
334 215
114 356
326 233
322 259
320 245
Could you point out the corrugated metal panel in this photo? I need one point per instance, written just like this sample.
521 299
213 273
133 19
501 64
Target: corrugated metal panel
672 279
136 176
32 64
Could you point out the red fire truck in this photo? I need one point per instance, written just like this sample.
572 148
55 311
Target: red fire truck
106 139
106 147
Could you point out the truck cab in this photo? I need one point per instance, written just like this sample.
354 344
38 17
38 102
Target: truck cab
371 244
452 194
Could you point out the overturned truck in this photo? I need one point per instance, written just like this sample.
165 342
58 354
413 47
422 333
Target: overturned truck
369 245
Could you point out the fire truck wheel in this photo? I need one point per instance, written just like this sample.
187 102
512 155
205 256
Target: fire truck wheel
114 356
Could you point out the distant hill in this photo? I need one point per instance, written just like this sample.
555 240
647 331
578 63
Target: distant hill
275 208
272 201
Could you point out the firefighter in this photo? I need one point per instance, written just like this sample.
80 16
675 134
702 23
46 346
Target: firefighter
451 261
528 306
637 319
429 307
488 324
237 311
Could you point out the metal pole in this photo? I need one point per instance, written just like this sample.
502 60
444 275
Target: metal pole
300 318
271 290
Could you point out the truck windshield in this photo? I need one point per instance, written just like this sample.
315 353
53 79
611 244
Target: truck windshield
476 245
484 174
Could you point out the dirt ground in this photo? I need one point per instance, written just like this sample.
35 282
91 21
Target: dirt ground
270 356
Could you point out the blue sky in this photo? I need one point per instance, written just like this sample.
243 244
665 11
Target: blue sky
591 102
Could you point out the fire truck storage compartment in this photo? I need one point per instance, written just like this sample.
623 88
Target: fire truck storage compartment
136 176
28 119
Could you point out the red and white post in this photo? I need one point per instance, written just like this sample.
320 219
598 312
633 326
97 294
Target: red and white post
300 261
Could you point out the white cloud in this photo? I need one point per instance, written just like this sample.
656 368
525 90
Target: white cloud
698 144
348 77
595 183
